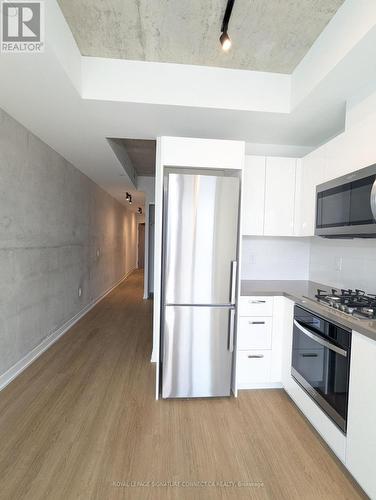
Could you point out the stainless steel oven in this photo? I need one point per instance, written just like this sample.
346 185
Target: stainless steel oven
346 207
321 362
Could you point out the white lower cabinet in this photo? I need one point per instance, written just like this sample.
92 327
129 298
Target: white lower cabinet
258 346
253 368
361 426
256 306
255 333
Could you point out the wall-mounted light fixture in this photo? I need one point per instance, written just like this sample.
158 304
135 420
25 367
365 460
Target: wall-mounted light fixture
128 197
139 210
224 38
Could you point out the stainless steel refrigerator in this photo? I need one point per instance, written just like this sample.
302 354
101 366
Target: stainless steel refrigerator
200 248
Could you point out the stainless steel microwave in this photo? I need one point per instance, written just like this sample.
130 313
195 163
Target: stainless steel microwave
346 206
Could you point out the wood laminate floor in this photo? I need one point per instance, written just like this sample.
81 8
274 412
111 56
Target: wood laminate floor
82 423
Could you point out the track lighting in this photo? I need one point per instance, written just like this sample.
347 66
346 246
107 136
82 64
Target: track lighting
128 197
139 210
224 38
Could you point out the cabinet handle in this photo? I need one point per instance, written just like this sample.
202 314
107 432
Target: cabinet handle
255 356
310 355
257 301
256 322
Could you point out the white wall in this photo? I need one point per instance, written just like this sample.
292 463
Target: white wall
275 258
348 263
344 263
284 150
147 186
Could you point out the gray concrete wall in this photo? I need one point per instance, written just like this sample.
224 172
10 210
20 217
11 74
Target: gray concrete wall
53 222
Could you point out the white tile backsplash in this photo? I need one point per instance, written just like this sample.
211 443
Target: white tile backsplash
344 263
268 258
339 263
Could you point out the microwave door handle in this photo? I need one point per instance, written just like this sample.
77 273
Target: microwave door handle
320 340
373 199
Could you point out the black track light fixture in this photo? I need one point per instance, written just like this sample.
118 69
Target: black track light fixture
224 38
128 197
139 210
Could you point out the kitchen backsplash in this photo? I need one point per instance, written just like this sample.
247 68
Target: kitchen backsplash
268 258
344 263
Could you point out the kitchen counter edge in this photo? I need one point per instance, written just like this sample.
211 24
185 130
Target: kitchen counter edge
303 293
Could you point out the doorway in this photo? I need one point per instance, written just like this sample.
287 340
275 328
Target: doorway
141 245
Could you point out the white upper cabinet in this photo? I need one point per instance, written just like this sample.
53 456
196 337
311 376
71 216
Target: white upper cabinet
361 430
310 173
253 195
280 196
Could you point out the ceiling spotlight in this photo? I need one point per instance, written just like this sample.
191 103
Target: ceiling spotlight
127 196
224 38
225 41
130 199
139 210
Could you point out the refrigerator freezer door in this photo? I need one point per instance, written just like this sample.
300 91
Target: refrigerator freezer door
201 232
197 361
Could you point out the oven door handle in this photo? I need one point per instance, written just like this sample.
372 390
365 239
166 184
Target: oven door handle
320 340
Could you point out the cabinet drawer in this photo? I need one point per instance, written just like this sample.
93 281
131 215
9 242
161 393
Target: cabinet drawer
255 333
256 306
253 367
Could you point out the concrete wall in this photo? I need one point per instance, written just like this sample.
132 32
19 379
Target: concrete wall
58 231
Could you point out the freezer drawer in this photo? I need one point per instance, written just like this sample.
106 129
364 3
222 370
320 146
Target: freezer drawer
255 333
197 353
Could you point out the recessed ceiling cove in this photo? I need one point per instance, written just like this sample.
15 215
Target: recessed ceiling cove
267 35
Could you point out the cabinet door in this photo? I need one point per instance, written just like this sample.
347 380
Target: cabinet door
253 195
361 429
280 196
310 173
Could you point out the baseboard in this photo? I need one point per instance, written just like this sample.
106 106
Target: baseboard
267 385
26 361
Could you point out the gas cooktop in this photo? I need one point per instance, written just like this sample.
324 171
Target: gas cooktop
355 302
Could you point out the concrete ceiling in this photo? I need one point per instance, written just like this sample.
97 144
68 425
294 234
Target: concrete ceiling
267 35
142 155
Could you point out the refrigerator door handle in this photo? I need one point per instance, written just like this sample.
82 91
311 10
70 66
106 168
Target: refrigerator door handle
234 266
231 331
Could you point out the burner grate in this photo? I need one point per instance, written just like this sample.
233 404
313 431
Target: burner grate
355 302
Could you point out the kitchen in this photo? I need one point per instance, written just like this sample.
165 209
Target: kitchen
316 342
242 360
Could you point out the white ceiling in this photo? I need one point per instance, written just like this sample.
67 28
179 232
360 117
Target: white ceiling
267 35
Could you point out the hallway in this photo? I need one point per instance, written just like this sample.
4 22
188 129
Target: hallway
82 422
